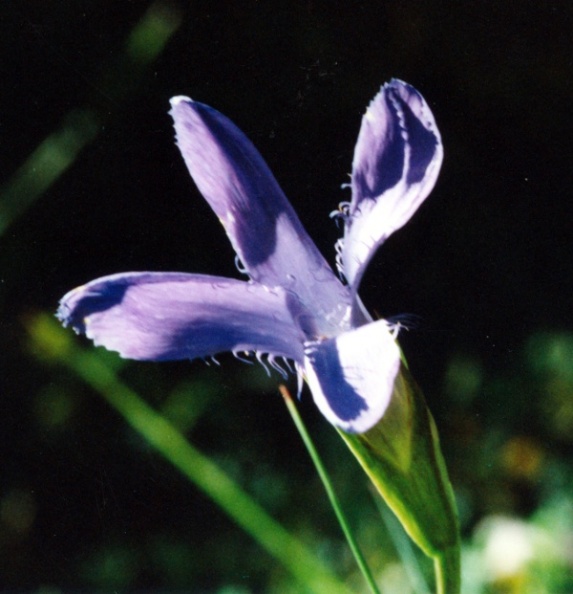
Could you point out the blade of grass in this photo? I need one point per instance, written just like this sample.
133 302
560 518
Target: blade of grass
322 472
446 565
51 341
447 569
403 546
58 151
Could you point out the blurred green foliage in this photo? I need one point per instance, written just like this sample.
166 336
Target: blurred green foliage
92 185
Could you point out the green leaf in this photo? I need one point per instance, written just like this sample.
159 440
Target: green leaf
402 457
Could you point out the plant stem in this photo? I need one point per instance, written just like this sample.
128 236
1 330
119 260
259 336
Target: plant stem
50 341
329 489
447 570
403 546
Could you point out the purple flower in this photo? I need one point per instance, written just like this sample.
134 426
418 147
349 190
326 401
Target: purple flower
293 306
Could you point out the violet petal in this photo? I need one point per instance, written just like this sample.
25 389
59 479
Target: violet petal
167 316
396 163
352 376
265 231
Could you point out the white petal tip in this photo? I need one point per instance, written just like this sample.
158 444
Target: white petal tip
175 101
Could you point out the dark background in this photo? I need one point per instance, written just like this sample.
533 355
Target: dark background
485 265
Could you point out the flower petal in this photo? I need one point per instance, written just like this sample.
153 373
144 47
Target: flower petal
263 227
167 316
352 377
396 163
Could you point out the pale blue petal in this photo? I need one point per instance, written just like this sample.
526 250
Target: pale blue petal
396 163
352 376
166 316
265 231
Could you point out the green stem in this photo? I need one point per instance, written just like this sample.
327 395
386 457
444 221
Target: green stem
447 569
403 546
211 479
295 556
329 489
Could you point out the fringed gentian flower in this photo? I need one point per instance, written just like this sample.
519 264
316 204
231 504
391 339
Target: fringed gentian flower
293 306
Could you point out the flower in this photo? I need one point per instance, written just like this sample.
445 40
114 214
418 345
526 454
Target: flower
293 306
